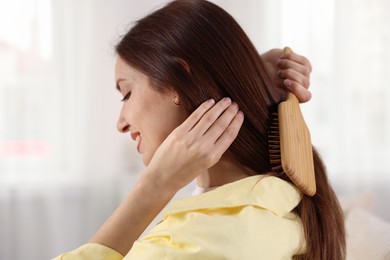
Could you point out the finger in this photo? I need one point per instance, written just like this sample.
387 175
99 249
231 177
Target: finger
230 134
210 117
289 64
298 90
221 124
298 59
194 118
295 76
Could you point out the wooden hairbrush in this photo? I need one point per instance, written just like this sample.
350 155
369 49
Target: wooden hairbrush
290 144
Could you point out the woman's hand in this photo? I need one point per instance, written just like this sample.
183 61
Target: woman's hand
289 71
193 147
196 145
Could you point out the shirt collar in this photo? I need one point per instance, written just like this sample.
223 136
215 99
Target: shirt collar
199 190
264 191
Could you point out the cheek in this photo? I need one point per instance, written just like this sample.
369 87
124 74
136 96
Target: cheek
160 133
157 132
151 141
161 128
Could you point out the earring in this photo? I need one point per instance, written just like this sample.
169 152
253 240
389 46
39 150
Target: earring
177 101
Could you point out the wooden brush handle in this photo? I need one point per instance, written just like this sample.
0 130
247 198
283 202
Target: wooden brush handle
290 96
295 144
287 50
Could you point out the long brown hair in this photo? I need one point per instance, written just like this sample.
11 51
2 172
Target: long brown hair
198 50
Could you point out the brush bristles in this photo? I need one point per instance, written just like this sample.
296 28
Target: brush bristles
274 144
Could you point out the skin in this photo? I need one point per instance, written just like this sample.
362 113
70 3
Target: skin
149 116
146 114
177 148
289 71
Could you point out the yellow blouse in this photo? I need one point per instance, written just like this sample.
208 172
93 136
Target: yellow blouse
247 219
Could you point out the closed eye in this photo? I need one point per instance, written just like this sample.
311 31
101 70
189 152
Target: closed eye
126 97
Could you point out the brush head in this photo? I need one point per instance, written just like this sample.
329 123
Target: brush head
290 146
295 146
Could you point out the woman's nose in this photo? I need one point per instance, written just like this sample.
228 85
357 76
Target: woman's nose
122 124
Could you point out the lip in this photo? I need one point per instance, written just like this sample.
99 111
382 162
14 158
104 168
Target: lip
139 144
134 135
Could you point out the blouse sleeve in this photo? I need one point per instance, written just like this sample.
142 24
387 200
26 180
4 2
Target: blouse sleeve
91 251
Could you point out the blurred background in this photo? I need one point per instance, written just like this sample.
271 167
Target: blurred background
63 166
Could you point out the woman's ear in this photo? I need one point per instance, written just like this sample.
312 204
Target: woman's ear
175 97
177 101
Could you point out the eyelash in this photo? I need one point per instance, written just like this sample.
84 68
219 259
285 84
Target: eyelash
126 97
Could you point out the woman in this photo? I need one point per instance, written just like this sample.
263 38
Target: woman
188 75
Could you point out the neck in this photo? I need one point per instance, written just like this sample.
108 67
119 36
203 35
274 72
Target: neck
223 172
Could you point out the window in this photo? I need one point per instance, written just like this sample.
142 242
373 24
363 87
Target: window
28 100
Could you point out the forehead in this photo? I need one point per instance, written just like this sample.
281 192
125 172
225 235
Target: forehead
122 69
127 74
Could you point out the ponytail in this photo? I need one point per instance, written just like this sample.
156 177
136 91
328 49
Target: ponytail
322 219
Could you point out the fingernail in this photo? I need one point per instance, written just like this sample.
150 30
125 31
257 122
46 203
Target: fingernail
227 100
211 101
235 105
287 82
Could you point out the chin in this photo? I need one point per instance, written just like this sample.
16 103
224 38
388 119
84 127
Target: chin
146 160
147 156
